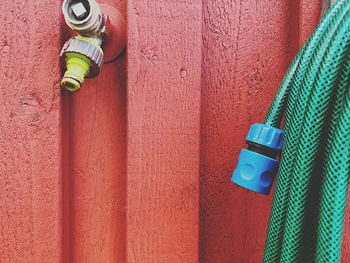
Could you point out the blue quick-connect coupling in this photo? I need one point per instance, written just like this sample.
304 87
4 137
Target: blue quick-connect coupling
257 165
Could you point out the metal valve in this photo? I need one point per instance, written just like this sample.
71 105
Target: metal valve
99 28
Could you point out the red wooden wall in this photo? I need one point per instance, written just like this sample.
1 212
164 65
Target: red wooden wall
30 132
136 166
247 47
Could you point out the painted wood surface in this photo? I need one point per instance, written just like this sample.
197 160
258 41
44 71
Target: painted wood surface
164 80
97 168
247 47
30 132
136 166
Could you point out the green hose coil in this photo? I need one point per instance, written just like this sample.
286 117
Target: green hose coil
307 214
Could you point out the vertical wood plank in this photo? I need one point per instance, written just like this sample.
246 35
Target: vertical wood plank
309 12
345 253
304 15
247 47
164 79
30 132
97 164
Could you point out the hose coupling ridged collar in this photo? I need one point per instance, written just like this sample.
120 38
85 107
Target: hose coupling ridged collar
85 47
265 135
82 58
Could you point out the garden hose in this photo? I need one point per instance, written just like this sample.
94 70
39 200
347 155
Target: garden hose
307 215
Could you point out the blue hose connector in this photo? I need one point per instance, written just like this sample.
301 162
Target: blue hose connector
257 165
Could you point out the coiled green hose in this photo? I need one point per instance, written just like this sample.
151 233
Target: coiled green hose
307 214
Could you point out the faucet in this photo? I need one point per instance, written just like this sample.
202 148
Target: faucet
98 28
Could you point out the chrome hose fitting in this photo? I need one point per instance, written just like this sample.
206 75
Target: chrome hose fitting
86 18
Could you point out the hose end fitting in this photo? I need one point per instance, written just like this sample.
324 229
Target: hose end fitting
82 58
257 165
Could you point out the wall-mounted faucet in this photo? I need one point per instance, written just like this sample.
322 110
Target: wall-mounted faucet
99 29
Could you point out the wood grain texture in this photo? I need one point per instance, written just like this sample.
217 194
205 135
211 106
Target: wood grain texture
164 79
30 132
97 165
345 254
131 153
309 13
247 47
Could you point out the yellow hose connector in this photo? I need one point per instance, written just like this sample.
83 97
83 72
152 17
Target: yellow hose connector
82 58
77 68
